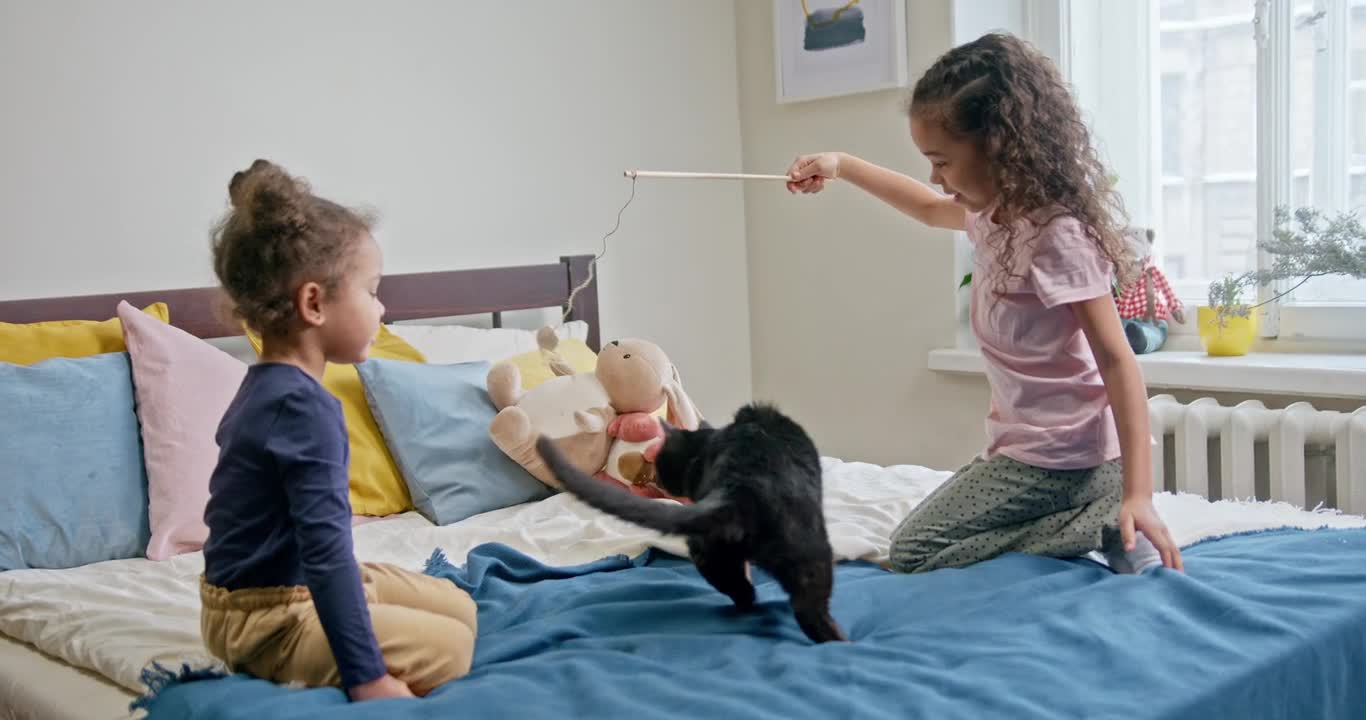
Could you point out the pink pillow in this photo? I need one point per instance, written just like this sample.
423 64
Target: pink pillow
183 386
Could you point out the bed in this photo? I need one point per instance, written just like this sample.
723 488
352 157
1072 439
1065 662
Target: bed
582 615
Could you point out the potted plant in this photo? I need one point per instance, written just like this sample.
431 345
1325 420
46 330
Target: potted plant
1227 325
1304 245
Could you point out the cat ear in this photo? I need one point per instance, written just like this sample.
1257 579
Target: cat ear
704 425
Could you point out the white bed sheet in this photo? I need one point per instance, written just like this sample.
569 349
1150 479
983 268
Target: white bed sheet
116 617
34 686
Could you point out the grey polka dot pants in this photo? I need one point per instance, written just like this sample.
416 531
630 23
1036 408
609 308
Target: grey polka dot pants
995 506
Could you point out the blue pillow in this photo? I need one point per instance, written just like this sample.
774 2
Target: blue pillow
73 489
435 420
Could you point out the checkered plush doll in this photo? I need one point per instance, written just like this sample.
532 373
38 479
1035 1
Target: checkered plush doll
1148 302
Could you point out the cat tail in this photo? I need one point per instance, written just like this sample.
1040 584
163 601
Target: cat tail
670 518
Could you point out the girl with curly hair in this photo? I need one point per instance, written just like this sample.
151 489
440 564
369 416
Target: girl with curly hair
1067 467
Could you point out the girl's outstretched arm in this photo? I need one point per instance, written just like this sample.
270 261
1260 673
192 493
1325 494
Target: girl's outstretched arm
1129 399
910 196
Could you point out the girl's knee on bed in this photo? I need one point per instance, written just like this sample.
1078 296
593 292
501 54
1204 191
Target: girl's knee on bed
422 649
1000 505
387 584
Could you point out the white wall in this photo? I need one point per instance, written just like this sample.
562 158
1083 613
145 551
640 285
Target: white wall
485 134
847 296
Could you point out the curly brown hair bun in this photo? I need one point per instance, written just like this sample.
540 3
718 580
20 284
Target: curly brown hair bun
1003 94
277 236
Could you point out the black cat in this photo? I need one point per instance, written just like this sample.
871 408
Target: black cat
756 492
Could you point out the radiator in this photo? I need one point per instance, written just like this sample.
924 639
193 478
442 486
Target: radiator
1293 454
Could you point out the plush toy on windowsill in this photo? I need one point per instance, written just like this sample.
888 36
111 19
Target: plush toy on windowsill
1148 303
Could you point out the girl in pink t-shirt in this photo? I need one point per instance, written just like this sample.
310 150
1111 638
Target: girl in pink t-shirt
1066 469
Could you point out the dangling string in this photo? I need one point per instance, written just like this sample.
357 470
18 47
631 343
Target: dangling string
635 175
593 264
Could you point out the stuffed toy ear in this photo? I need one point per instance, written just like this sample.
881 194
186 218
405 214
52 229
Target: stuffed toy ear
682 413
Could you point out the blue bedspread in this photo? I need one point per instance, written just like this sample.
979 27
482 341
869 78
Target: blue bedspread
1271 625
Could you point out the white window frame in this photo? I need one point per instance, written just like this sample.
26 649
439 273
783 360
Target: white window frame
1105 60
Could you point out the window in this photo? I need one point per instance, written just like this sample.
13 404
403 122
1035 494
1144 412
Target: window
1328 121
1172 92
1198 165
1208 62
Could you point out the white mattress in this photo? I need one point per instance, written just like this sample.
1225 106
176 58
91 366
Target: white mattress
116 617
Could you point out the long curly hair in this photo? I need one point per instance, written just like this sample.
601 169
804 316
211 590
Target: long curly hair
277 236
1004 95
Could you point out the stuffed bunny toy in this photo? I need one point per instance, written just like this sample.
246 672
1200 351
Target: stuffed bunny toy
577 410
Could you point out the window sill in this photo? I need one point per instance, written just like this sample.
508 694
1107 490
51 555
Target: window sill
1300 374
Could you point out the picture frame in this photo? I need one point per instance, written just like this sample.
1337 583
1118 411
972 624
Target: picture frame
832 48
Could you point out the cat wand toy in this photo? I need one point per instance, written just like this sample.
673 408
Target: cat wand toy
633 174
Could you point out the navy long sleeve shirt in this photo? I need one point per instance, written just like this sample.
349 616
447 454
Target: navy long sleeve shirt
279 512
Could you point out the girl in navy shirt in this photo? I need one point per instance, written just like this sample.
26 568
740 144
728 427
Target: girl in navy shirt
283 597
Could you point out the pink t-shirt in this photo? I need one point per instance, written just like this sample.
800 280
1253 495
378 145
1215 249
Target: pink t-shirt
1048 403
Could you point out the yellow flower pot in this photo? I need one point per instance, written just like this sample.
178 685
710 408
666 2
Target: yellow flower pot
1233 338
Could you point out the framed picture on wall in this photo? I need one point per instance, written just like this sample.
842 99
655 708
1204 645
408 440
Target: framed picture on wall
829 48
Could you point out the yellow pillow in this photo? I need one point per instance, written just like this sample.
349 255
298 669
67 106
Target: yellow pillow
377 488
34 342
535 370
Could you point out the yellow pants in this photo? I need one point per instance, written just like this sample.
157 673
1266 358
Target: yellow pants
425 626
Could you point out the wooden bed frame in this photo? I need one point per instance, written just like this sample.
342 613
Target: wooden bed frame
413 296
